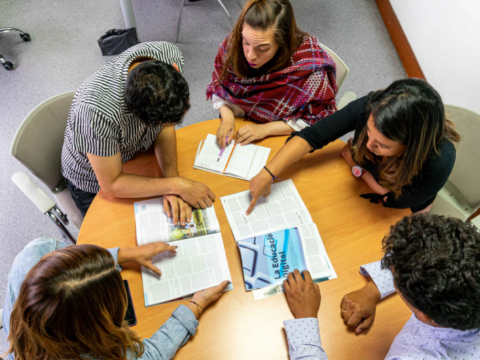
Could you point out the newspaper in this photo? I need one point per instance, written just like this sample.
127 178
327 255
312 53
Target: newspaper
200 261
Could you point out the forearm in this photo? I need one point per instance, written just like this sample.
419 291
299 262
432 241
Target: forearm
226 113
166 151
278 128
372 183
291 152
135 186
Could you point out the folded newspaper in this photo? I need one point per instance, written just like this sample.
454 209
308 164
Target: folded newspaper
200 261
276 238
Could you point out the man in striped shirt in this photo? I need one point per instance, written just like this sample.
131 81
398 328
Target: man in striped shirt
128 105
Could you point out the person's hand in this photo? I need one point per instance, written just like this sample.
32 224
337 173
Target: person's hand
144 254
179 207
260 185
347 153
226 127
195 193
205 297
303 296
358 307
251 132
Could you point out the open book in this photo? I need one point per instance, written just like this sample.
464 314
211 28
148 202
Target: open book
200 262
284 218
241 162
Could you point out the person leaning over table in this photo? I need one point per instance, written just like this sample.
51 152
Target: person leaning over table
404 147
69 302
270 71
128 105
433 263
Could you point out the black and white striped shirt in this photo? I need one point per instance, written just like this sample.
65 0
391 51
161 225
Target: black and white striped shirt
99 122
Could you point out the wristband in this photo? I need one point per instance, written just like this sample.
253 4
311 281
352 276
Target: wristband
273 176
198 307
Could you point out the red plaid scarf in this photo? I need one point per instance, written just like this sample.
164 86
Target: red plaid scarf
305 89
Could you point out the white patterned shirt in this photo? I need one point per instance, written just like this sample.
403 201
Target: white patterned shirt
416 341
99 122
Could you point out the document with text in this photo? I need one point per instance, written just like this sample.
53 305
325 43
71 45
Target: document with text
200 261
277 237
241 162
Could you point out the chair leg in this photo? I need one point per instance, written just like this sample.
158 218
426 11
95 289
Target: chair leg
179 20
63 229
6 64
5 30
226 12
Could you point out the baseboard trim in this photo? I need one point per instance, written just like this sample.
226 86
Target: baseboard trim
400 41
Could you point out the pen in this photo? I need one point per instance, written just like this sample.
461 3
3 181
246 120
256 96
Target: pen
223 148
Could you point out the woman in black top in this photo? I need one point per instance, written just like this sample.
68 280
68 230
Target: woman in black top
404 147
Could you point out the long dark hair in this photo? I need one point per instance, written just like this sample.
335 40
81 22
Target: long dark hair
411 112
72 304
262 15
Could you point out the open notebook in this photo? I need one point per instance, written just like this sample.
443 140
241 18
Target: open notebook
241 162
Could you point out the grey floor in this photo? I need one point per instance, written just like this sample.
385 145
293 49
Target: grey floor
64 52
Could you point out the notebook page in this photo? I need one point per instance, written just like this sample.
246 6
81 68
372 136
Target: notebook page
259 161
209 155
241 160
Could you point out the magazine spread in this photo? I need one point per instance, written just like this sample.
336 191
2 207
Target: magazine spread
277 237
200 261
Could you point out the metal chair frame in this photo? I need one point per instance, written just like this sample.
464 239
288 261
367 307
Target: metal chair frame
25 37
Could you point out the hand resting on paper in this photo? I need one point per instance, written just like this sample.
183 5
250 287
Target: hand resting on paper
303 296
358 307
205 297
180 210
144 254
260 185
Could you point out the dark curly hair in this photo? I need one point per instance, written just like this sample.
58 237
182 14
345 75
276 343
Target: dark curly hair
436 267
156 93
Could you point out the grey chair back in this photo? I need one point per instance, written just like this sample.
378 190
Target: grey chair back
39 140
466 171
342 68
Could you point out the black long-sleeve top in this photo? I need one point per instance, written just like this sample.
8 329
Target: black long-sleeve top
424 186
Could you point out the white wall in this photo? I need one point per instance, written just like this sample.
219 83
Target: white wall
445 37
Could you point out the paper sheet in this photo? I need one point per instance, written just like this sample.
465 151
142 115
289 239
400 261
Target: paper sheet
200 263
284 208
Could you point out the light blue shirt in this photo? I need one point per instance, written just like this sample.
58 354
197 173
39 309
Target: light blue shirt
416 341
163 344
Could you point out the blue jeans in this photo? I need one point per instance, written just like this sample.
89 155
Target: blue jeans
83 199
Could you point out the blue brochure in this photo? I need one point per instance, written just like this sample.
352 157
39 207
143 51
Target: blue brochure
267 259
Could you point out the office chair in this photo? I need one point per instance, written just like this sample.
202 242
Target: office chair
460 197
341 75
25 37
182 4
38 146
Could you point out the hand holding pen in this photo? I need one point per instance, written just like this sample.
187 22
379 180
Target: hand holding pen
223 148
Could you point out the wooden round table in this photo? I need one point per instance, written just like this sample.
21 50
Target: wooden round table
237 326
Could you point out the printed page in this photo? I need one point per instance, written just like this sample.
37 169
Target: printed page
152 223
284 208
318 262
241 160
259 161
199 263
267 259
207 159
